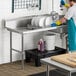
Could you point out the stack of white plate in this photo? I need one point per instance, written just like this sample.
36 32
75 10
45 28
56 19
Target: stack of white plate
41 21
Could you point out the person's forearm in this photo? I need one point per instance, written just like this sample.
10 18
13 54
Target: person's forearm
63 20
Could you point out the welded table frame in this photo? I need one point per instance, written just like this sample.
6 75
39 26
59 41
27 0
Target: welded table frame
23 32
64 68
22 46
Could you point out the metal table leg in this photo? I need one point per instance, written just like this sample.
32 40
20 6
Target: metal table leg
10 46
69 74
22 51
47 72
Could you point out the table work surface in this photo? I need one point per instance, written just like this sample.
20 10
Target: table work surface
23 30
48 61
68 59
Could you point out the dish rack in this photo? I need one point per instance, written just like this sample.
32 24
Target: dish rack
25 4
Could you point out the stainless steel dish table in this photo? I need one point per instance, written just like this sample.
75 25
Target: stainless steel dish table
63 68
22 31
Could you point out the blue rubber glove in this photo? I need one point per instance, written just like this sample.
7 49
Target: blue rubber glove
62 2
53 25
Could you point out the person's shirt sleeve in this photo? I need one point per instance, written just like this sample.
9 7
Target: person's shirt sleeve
69 14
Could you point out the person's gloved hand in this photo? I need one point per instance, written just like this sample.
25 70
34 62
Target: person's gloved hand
53 25
67 5
64 4
57 23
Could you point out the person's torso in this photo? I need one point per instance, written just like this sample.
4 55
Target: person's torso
74 14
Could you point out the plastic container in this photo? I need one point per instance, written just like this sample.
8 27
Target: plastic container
49 41
41 45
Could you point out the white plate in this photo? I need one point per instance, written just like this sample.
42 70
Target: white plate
42 22
48 21
33 21
37 21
